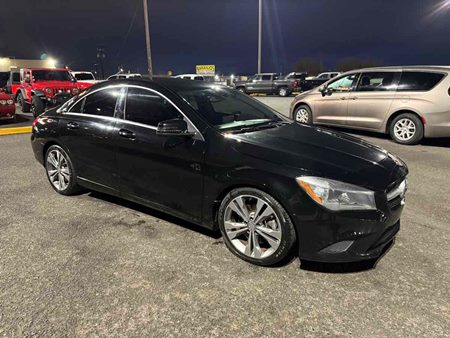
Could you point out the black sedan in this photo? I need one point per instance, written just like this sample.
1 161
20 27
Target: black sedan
220 159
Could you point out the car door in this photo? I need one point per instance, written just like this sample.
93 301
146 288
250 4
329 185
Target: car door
162 170
369 103
254 84
266 83
332 107
86 132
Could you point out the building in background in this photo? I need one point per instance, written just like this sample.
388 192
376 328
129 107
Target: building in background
10 64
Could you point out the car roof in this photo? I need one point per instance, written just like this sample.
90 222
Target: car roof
404 68
173 84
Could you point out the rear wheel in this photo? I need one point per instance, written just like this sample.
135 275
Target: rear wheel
255 227
303 115
241 89
23 105
406 128
60 171
37 106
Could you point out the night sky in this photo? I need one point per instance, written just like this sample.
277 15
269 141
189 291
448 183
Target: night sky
224 32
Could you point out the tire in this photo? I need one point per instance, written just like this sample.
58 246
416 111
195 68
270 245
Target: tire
242 90
283 92
303 114
37 106
66 171
23 105
406 128
271 228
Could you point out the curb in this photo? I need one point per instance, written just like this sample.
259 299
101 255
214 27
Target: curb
17 130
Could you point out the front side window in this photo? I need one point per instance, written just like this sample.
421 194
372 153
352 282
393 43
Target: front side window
101 103
84 76
343 84
418 81
376 81
227 109
149 108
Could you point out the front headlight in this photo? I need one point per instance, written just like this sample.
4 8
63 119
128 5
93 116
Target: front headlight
335 195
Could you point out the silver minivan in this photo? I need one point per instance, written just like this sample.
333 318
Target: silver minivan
409 103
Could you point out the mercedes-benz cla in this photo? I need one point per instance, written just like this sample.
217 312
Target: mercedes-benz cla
220 159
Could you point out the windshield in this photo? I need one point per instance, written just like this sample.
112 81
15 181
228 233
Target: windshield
52 75
228 109
84 76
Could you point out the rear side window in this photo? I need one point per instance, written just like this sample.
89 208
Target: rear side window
101 103
16 77
146 107
376 81
418 81
267 77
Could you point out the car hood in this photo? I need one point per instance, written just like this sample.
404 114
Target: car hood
325 153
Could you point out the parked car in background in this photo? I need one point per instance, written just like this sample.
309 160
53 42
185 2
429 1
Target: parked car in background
84 79
266 83
121 76
7 107
10 82
312 82
409 103
198 77
41 88
220 159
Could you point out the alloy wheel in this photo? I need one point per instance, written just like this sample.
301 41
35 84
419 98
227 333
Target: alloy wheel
58 170
404 129
282 91
302 115
252 226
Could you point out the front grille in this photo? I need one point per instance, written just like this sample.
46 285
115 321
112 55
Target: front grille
61 90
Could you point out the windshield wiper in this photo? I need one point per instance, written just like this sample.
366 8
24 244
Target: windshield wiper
269 125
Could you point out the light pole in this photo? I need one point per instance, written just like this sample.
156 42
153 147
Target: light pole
147 41
259 35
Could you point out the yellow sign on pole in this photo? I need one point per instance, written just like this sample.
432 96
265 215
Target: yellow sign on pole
205 69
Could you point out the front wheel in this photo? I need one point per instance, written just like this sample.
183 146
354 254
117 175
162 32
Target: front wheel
255 227
242 90
60 171
303 115
283 91
406 128
37 106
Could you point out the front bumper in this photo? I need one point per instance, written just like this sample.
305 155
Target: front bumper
346 236
56 100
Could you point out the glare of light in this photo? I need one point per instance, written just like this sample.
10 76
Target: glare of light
216 77
51 62
440 8
232 76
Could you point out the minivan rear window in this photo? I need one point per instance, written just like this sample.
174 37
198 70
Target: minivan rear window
418 81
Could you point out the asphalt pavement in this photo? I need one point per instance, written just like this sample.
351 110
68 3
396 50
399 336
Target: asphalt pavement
93 265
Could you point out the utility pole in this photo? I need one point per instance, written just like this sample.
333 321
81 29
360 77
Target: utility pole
259 35
147 40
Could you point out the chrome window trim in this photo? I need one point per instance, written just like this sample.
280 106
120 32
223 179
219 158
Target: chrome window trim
197 132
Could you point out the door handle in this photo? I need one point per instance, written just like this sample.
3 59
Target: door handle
127 134
343 98
354 98
72 125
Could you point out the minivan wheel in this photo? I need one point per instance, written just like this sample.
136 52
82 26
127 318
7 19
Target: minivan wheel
60 172
406 128
303 115
255 227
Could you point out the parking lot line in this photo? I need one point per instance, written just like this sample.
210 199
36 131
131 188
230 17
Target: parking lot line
17 130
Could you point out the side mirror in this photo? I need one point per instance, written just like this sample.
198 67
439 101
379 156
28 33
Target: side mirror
326 91
27 80
175 127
